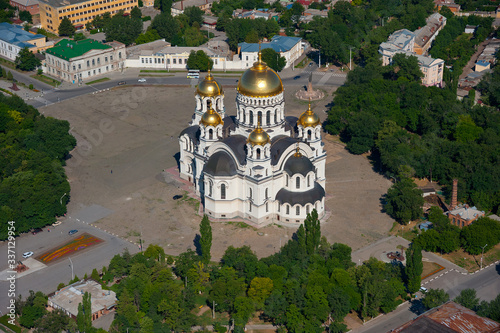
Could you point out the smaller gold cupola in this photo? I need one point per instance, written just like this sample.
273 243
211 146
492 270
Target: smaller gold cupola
209 87
211 118
258 136
309 118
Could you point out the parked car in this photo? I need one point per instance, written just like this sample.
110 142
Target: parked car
56 223
37 230
296 77
142 80
27 254
121 83
177 197
72 232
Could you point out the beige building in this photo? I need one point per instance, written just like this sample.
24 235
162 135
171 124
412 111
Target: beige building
13 39
403 41
68 298
426 35
179 6
78 61
80 12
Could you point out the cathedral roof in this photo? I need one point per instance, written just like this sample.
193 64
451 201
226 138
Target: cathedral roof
209 87
260 81
298 164
237 144
301 198
309 118
278 145
193 132
229 122
221 164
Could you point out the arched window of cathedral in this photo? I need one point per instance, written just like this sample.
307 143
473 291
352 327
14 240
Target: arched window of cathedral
268 117
287 180
267 208
307 209
251 117
309 135
287 210
251 194
210 134
276 116
223 191
249 206
244 116
209 189
297 182
266 193
259 117
258 153
297 210
308 181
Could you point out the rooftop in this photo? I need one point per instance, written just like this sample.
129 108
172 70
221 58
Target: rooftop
181 5
69 297
449 317
67 49
26 3
434 22
62 3
278 44
15 35
401 38
147 48
466 213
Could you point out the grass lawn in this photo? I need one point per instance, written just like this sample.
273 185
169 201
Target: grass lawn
471 262
7 63
98 80
408 232
46 79
430 268
4 321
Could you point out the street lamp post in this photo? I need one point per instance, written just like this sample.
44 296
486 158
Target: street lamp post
482 255
72 272
60 200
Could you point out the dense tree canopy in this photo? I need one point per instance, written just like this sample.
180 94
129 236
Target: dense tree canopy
199 60
124 29
32 179
66 28
26 60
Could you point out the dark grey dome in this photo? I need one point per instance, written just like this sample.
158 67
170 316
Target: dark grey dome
221 164
298 164
301 198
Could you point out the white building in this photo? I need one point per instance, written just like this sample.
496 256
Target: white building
13 39
259 165
76 61
288 47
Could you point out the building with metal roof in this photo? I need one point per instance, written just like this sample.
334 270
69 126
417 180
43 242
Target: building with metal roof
76 61
288 47
13 39
31 6
259 165
449 317
464 215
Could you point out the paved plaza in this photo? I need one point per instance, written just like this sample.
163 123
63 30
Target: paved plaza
127 137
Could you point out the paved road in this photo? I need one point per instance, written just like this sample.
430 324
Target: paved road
486 283
47 279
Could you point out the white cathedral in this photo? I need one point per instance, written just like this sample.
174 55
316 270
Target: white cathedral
258 165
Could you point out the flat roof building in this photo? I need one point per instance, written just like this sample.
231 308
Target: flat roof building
68 298
80 12
463 215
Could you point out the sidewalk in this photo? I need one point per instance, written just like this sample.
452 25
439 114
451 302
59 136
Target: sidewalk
23 92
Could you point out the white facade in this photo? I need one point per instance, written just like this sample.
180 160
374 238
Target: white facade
258 165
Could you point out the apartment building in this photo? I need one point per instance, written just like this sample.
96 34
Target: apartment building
77 61
80 12
13 39
403 41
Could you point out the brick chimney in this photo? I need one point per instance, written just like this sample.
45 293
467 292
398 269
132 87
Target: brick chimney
182 5
454 194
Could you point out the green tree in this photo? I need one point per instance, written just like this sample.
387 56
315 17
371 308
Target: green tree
155 252
468 299
123 29
165 6
10 77
199 60
406 67
194 14
95 275
205 239
25 16
260 289
313 232
166 26
149 36
252 37
66 28
414 268
54 321
404 201
26 60
273 59
79 36
84 316
243 309
136 13
435 297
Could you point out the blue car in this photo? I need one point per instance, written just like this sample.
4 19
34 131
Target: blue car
72 232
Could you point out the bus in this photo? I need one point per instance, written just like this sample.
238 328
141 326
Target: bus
193 74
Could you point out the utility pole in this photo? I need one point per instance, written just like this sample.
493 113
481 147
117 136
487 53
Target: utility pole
319 62
213 309
72 273
482 255
350 58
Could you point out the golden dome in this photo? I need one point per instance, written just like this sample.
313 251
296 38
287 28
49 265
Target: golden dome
211 118
258 136
260 81
309 118
209 87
